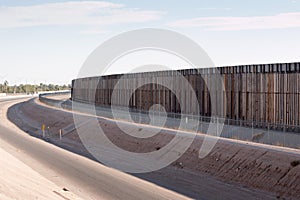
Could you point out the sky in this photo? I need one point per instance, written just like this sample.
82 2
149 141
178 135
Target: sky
48 41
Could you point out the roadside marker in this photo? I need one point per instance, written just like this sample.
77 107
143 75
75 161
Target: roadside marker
60 133
43 129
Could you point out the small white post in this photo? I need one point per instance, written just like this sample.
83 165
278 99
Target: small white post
60 133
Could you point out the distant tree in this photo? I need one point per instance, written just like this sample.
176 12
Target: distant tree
5 86
31 88
15 89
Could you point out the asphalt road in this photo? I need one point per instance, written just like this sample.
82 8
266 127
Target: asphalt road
79 175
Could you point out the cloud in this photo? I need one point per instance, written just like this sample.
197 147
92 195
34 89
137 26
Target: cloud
90 13
280 21
216 9
93 31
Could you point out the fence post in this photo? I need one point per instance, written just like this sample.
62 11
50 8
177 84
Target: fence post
285 130
217 126
252 129
201 124
268 132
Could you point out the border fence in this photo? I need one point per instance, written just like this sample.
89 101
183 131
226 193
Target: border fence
259 96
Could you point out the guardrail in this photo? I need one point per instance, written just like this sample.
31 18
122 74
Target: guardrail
52 102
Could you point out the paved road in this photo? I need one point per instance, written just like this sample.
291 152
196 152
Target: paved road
79 175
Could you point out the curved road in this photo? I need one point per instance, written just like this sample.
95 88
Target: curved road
71 172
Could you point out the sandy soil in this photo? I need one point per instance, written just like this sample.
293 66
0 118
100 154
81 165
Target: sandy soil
19 181
59 97
259 167
39 170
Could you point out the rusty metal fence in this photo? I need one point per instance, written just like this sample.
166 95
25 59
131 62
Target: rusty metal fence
266 95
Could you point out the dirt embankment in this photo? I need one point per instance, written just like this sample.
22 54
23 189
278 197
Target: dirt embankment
274 170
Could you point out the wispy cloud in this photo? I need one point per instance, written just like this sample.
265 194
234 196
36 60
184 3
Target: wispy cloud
214 8
93 31
90 13
280 21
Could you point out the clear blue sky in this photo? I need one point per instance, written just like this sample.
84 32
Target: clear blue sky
47 41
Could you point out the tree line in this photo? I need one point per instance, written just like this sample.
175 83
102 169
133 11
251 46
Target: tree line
29 88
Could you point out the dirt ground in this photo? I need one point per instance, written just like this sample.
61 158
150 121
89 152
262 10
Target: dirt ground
60 97
18 180
268 171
